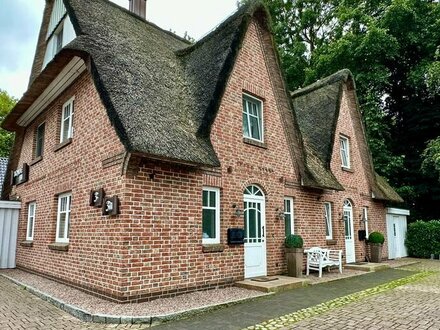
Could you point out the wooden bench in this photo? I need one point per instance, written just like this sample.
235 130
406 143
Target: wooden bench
318 258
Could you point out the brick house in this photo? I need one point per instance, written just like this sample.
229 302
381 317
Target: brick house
136 151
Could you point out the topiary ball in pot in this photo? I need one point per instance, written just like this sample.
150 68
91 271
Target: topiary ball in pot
376 238
293 241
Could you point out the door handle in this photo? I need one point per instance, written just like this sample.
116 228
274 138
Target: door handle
263 231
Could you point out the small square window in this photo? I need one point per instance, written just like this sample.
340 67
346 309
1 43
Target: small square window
289 220
211 216
345 152
66 131
39 140
328 220
32 207
252 118
63 218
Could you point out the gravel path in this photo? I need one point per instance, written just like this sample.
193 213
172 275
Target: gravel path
158 307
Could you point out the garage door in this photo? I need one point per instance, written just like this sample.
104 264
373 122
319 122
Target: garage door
396 233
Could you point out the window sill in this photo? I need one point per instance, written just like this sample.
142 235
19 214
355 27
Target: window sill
62 144
331 242
255 143
36 160
347 169
59 247
211 248
27 243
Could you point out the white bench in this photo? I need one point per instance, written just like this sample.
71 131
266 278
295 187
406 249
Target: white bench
318 258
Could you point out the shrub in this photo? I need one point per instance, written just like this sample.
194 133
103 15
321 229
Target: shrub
376 237
293 241
423 238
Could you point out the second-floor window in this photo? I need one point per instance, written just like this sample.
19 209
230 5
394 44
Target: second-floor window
252 118
345 151
39 140
67 120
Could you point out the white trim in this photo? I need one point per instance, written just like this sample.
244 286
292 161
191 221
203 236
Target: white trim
262 117
71 103
65 238
345 150
64 79
291 213
31 217
216 239
10 205
328 220
391 210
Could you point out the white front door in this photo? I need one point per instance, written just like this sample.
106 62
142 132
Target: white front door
350 255
255 235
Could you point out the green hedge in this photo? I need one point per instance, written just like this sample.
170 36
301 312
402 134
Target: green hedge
423 238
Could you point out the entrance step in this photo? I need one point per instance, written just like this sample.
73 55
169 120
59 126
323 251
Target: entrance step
367 266
273 283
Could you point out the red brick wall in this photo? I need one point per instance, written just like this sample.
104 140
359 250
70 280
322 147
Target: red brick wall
93 259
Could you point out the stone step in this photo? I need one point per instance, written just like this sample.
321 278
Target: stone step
273 284
367 266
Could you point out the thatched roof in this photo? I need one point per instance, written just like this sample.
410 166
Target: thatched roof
317 107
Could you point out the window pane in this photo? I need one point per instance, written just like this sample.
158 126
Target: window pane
30 226
245 125
205 198
252 223
39 140
287 226
209 223
287 205
62 225
255 128
212 198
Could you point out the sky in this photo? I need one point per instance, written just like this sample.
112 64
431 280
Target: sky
20 23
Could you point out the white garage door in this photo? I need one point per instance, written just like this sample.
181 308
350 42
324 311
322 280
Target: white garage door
396 232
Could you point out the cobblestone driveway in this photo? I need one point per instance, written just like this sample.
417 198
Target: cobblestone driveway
412 306
20 309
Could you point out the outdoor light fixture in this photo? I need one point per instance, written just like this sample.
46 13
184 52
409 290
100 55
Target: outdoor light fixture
238 212
280 214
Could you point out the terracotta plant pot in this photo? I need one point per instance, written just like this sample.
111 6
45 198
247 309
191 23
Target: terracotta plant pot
294 260
376 252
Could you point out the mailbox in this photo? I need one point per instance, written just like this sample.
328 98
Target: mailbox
235 236
362 234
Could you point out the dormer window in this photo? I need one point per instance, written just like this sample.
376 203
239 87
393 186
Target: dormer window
252 118
58 42
345 151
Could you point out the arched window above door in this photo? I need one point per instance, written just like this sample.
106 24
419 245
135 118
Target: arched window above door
253 191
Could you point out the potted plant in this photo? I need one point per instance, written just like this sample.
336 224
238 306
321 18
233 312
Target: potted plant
294 255
375 240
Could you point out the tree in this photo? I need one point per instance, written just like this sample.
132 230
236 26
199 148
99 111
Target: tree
7 102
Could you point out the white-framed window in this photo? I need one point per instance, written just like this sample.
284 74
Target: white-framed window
289 219
345 151
63 218
252 118
32 207
39 140
211 215
66 131
328 220
365 219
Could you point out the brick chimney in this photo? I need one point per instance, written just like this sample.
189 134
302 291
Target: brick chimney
139 7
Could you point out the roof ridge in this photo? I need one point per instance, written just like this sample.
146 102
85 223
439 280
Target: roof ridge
341 75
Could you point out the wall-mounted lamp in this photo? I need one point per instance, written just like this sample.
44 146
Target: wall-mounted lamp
280 214
238 212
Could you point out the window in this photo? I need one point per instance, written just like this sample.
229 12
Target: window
58 41
67 120
252 118
63 218
328 220
365 219
39 140
211 216
345 152
31 221
288 216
